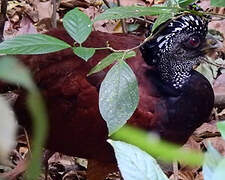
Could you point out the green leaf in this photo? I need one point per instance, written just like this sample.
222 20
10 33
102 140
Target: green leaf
218 3
136 164
118 96
134 11
159 149
8 130
221 127
212 161
161 19
32 44
14 72
78 25
39 116
109 60
84 53
185 3
132 27
171 3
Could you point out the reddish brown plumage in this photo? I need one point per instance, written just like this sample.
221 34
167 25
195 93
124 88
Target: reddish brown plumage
76 126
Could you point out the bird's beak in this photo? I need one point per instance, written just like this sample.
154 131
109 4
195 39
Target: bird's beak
211 43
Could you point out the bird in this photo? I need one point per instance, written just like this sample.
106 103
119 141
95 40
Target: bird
174 99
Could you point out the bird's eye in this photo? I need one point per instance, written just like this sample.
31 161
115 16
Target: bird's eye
193 42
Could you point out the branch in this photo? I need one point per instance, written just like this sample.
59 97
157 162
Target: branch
214 64
106 3
123 23
3 18
53 19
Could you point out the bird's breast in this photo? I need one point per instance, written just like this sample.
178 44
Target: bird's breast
175 115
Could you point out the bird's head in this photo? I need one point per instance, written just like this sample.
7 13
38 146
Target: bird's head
177 48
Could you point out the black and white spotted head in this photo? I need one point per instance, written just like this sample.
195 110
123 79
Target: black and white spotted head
177 48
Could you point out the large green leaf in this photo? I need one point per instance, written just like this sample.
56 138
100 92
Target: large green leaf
218 3
77 24
134 11
111 59
32 44
135 164
118 96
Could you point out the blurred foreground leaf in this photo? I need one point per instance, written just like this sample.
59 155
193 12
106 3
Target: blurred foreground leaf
14 72
221 127
159 149
213 168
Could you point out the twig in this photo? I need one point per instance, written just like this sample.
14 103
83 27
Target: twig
214 64
14 173
118 2
175 170
53 19
208 134
221 16
28 141
151 36
47 154
106 3
124 27
144 20
3 18
214 111
219 98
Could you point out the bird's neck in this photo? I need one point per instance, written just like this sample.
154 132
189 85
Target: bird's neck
174 74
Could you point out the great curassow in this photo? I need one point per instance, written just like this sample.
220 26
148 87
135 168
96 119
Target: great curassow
174 98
